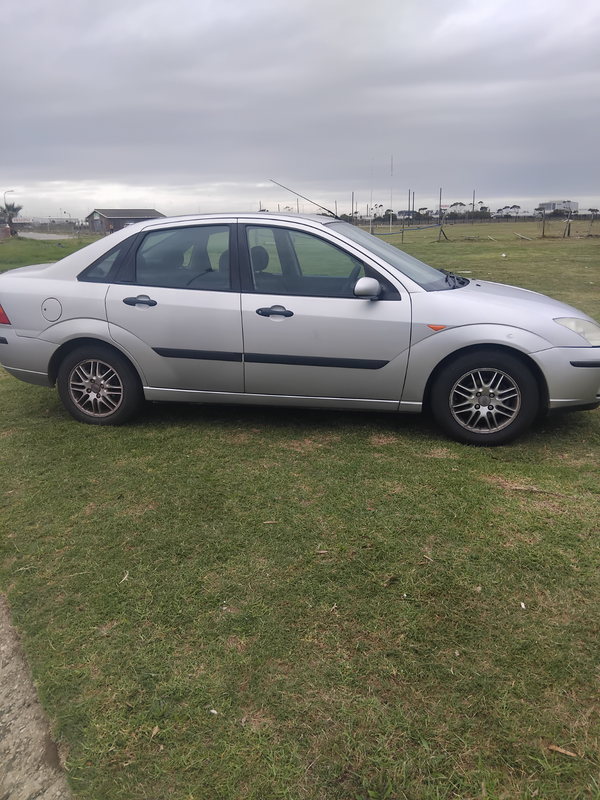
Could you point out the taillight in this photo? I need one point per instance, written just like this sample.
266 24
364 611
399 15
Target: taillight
4 320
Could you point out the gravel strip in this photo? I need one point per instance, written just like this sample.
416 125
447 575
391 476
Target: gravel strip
30 767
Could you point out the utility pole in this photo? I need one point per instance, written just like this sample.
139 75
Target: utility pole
391 192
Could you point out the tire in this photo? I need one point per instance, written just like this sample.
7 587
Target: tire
486 398
99 386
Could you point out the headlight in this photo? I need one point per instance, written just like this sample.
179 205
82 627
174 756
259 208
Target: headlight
589 330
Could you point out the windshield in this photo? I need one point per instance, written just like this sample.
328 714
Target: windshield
427 277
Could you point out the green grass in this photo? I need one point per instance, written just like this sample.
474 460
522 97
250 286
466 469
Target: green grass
18 251
346 591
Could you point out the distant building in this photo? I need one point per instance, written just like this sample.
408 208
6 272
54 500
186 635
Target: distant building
103 220
22 223
559 205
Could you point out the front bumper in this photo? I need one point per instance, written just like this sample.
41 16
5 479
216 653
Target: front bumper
572 376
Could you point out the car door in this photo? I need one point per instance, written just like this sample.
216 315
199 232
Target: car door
175 308
305 333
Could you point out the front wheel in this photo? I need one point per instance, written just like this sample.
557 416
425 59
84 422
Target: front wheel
485 398
99 386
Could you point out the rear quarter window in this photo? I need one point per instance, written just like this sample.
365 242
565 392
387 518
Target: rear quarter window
104 268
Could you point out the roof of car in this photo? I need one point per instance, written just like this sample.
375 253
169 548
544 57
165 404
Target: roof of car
258 215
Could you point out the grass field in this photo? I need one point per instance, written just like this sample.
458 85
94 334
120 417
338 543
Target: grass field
17 252
250 603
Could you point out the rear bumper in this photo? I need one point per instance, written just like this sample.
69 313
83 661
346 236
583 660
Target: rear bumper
25 358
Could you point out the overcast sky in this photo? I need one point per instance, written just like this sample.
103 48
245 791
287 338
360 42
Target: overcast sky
194 105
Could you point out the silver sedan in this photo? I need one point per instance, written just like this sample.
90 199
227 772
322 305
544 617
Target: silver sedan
278 309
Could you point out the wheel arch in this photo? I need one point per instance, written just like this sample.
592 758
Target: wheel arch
74 344
526 360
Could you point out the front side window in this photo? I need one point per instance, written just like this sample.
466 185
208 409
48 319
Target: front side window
285 261
193 258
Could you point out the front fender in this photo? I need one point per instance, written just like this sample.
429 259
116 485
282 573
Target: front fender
429 350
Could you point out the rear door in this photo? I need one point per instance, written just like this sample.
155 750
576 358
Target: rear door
176 309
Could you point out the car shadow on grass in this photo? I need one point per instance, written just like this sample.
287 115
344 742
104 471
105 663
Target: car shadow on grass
561 430
282 418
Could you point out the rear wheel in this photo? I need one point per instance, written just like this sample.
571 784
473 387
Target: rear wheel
485 398
99 386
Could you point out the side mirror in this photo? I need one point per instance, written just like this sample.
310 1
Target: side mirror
367 287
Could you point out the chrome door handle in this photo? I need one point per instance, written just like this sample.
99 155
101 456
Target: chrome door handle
140 300
274 311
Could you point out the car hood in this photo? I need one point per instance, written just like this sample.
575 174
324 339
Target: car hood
485 302
505 296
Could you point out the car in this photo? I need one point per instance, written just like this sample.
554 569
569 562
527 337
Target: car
291 310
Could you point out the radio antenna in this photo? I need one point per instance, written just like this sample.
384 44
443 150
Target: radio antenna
304 198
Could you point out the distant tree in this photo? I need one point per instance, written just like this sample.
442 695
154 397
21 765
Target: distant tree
9 212
505 211
455 210
593 210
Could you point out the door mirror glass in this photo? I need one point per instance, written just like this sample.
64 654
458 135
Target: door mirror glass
367 287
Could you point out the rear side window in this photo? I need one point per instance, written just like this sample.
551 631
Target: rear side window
192 258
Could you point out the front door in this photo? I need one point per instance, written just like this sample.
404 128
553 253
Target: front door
306 334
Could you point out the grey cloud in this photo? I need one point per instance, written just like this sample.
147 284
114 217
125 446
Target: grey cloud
502 95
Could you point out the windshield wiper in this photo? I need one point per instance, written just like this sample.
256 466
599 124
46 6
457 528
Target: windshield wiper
454 281
451 279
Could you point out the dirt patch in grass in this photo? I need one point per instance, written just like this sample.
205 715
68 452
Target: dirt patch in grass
380 439
256 719
440 452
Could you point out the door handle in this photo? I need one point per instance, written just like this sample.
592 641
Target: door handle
140 300
274 311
